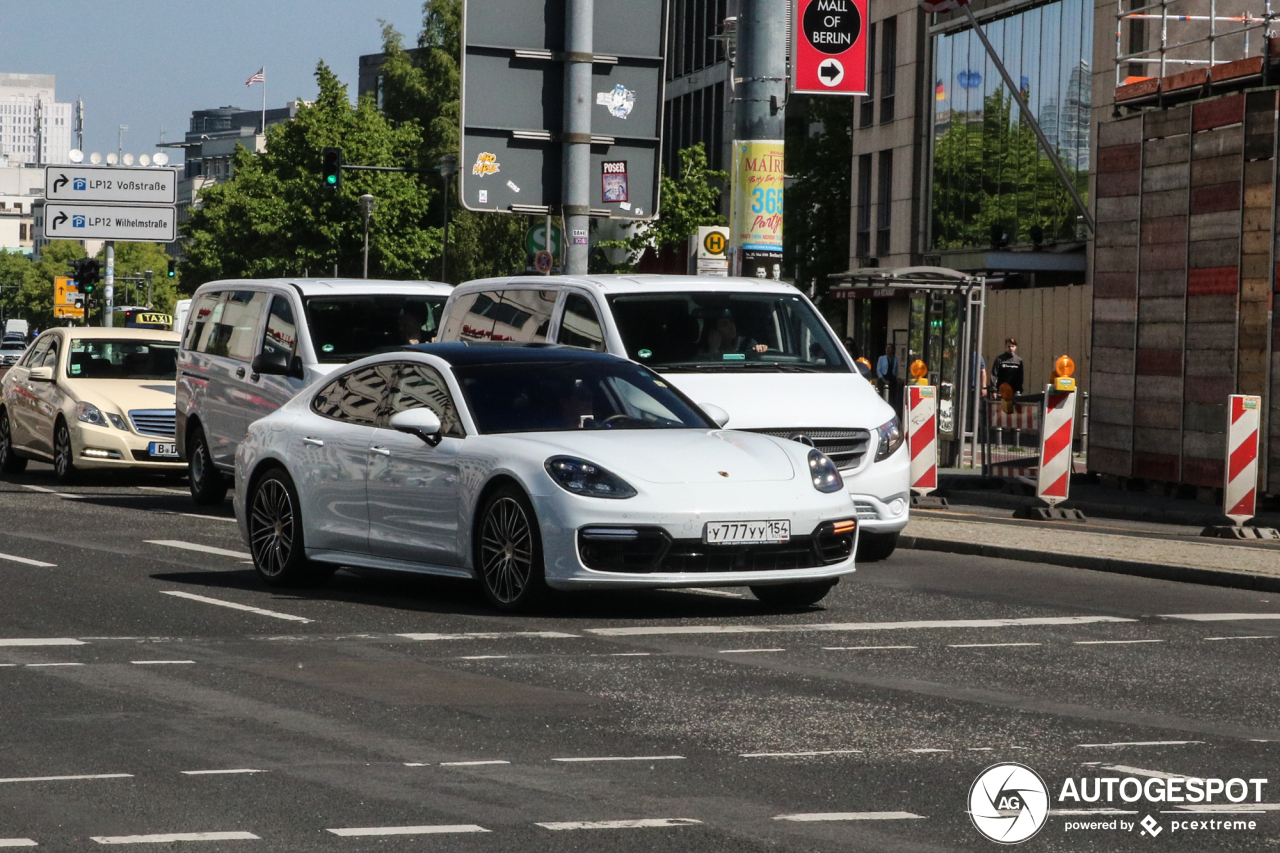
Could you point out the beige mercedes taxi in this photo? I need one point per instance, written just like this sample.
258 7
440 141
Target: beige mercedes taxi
89 397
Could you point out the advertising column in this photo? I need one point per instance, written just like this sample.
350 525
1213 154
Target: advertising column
758 166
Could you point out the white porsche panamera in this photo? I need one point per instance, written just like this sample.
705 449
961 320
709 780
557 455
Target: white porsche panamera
527 467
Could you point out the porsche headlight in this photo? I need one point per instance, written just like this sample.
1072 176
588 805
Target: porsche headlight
890 439
823 473
581 477
90 414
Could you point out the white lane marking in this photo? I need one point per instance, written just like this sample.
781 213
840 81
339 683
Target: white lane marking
417 764
195 546
1257 637
630 654
7 664
748 651
472 763
166 491
927 750
150 662
28 562
987 645
1112 642
863 648
829 816
1138 743
492 635
194 515
17 842
50 641
855 626
484 657
704 591
799 754
353 832
53 664
43 490
645 823
231 604
1220 617
978 748
173 837
625 758
219 772
68 778
1089 811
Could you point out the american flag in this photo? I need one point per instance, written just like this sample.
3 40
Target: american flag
257 78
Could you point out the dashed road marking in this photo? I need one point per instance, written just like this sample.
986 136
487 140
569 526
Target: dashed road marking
630 654
158 662
17 842
1137 743
837 816
195 546
926 750
58 494
644 823
484 657
194 515
748 651
623 758
1220 617
220 772
26 561
493 635
800 754
231 604
68 778
642 630
53 664
174 837
1256 637
47 641
863 648
988 645
163 489
473 763
356 832
1112 642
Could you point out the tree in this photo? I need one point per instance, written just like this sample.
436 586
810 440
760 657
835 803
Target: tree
688 200
134 259
26 287
274 217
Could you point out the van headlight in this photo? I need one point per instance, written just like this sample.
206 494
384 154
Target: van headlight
823 473
90 414
890 439
580 477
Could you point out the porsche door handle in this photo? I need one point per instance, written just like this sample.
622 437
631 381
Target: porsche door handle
314 442
381 451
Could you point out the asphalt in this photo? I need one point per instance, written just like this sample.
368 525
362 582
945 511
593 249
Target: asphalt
366 704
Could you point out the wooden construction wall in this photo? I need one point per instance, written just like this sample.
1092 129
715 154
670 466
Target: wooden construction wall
1184 272
1047 322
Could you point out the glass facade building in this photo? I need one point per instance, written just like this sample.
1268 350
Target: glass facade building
991 181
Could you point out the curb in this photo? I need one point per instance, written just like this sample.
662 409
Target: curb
1186 517
1157 571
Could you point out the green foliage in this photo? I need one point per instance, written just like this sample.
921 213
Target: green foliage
274 217
688 200
134 259
815 234
26 287
992 172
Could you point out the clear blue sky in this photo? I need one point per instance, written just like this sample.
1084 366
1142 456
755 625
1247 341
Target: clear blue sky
147 64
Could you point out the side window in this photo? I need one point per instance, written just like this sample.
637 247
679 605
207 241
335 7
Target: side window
462 324
421 386
357 396
35 355
580 326
51 354
204 328
281 333
238 327
523 315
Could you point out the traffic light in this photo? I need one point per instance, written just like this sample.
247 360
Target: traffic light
173 267
331 169
86 273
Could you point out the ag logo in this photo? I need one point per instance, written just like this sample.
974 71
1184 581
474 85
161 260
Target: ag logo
1008 803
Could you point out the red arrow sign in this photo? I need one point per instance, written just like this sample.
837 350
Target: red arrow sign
830 50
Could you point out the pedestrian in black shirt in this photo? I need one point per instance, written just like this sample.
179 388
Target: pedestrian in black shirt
1007 367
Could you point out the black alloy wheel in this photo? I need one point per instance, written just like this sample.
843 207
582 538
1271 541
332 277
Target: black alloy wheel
275 533
509 551
10 462
793 596
208 485
64 465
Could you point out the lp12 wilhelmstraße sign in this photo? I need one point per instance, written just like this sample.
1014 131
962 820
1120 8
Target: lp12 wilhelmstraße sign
107 184
148 224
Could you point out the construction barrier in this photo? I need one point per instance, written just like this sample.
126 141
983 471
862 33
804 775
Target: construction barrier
1058 419
1240 494
922 437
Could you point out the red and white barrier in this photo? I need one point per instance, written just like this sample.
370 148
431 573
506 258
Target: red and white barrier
1240 494
1058 419
922 437
1024 415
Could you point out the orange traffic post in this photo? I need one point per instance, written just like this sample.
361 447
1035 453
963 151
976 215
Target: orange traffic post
1063 368
920 371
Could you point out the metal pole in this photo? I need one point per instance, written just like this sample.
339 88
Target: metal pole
546 242
366 243
109 285
579 50
148 289
444 249
1031 120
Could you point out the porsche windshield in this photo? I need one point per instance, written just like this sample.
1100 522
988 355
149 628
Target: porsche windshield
573 395
720 331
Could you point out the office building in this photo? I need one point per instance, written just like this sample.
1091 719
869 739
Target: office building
34 128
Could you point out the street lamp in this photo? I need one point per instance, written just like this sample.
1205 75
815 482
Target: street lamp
366 206
448 168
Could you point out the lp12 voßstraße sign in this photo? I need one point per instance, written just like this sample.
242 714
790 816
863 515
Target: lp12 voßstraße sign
148 224
110 184
830 49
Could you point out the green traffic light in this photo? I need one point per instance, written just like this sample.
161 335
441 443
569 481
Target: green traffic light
333 179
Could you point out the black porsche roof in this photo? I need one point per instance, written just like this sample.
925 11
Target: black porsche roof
463 354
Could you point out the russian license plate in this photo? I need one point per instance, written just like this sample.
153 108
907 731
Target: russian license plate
164 449
746 532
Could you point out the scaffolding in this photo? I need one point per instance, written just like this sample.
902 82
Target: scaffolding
1197 40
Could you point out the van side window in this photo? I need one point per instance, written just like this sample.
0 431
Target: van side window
523 315
357 396
580 325
205 315
472 317
420 386
237 328
281 334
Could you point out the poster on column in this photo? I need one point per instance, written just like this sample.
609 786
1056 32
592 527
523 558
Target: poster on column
757 198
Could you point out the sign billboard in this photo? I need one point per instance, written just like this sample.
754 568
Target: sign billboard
149 224
830 47
512 105
120 185
757 199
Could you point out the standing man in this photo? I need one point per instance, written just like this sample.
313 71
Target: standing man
887 374
1008 367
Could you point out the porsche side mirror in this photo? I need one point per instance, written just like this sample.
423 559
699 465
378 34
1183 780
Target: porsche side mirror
423 423
717 414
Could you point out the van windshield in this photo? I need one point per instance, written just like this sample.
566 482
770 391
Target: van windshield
721 331
346 328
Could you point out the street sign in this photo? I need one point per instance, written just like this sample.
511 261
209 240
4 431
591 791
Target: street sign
830 50
110 184
535 240
150 224
710 256
64 289
543 262
513 106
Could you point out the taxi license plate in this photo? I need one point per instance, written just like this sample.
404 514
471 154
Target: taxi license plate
163 449
746 532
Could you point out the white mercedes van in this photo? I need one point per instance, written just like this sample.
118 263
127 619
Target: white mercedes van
249 346
757 349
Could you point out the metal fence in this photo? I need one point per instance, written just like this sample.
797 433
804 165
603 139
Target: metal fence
1010 441
1170 36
